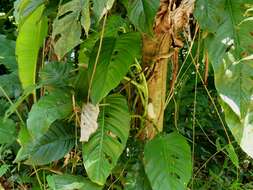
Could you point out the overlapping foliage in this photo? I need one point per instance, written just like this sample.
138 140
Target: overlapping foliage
70 53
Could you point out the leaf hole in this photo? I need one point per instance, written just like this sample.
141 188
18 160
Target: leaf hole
65 14
115 52
3 70
109 158
175 175
174 156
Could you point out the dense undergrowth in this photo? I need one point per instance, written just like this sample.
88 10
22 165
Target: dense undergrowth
40 117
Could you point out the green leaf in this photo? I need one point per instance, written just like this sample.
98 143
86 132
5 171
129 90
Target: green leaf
3 169
229 50
10 84
101 152
54 145
136 179
30 39
24 8
54 106
114 24
7 131
24 139
113 64
85 19
142 14
208 13
232 155
7 53
67 27
9 81
167 162
56 74
101 7
70 182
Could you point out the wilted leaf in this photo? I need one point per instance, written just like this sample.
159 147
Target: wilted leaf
89 123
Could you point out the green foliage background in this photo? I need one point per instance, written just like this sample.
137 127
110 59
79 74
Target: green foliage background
64 54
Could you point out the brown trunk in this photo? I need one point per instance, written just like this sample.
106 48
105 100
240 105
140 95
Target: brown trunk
156 48
171 19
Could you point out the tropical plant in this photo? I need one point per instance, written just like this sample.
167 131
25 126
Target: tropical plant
105 94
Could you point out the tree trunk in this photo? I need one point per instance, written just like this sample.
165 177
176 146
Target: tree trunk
172 18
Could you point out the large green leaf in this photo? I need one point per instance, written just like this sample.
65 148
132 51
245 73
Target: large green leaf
56 105
208 14
114 24
24 8
229 50
167 162
30 38
53 145
142 14
114 61
70 182
67 27
56 74
101 152
101 7
7 131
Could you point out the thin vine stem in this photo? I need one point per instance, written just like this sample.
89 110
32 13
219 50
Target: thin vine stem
212 100
97 57
8 98
193 126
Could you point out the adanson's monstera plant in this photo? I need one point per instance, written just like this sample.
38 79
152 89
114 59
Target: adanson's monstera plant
97 75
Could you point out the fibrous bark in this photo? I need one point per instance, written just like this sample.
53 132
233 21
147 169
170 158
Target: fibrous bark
171 19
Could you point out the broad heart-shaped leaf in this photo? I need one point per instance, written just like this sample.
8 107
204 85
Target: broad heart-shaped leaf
7 131
53 145
101 152
228 49
167 162
142 14
100 7
67 27
30 38
116 56
70 182
54 106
